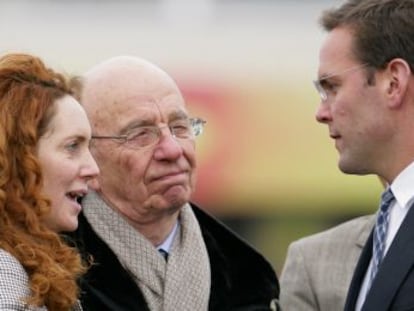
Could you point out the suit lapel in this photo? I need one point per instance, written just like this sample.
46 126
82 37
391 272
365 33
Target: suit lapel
394 268
359 275
364 241
365 231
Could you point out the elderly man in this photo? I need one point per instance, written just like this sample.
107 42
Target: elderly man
152 248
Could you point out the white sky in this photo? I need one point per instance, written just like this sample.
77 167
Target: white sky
233 37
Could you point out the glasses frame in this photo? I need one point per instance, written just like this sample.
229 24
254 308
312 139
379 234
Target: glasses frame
196 124
319 82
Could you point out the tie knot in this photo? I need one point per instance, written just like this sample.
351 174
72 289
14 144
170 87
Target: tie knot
386 199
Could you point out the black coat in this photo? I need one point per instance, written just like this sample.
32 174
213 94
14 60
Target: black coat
241 278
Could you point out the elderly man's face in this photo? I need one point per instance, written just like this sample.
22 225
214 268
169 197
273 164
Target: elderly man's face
144 180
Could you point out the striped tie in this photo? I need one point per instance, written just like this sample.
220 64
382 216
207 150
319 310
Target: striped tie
380 232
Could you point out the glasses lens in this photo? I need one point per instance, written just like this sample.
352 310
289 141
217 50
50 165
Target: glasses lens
143 137
320 90
181 128
150 135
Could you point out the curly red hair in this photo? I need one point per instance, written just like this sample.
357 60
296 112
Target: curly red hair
28 91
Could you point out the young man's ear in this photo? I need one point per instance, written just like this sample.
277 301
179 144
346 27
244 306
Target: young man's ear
398 74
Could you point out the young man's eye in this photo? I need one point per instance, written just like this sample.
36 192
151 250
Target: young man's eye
72 146
329 86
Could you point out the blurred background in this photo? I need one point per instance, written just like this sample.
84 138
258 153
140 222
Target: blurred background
266 168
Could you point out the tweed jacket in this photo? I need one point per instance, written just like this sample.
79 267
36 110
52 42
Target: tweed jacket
241 278
318 269
14 285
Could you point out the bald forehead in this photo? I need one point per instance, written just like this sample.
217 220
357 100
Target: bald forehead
123 65
119 81
126 76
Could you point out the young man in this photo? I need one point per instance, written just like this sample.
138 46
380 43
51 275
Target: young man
366 84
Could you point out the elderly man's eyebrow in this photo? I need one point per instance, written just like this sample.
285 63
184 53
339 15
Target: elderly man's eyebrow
135 124
178 115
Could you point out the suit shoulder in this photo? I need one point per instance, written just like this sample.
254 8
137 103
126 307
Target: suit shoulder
355 227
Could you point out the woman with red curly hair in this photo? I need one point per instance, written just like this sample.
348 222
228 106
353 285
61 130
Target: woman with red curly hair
45 167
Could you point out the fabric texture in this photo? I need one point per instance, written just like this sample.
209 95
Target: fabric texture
241 278
14 285
393 286
380 231
182 283
164 254
318 268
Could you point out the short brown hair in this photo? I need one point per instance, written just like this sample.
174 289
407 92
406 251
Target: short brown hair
383 29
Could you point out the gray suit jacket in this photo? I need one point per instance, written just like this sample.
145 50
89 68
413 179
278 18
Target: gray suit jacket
318 269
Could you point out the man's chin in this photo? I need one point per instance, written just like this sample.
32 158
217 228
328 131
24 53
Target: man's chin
353 168
174 197
174 203
177 192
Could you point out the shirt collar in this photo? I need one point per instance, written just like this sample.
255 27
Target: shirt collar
402 186
166 245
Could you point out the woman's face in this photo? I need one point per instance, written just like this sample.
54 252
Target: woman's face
66 163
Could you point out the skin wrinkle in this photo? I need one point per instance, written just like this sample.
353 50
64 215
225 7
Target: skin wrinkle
161 178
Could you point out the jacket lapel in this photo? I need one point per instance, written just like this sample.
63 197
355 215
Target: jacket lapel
359 275
365 231
394 268
364 241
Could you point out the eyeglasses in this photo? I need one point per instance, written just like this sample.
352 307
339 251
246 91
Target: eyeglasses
145 136
325 89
